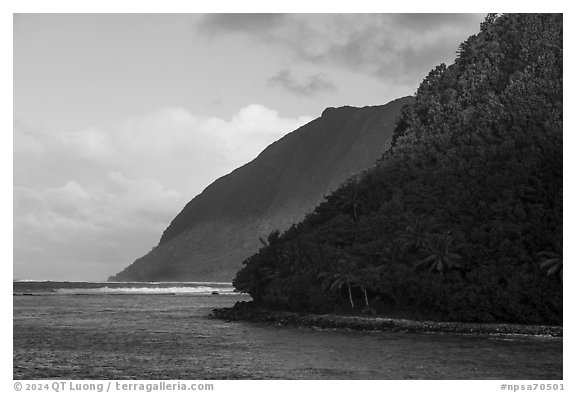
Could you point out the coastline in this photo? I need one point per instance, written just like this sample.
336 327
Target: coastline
378 323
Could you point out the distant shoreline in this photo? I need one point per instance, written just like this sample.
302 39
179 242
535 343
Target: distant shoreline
374 323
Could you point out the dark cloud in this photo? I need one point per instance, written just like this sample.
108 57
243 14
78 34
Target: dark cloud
432 21
235 23
393 47
398 47
311 86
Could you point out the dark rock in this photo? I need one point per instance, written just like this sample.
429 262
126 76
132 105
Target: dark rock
249 312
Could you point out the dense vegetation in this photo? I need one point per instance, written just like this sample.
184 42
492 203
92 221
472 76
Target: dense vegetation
462 218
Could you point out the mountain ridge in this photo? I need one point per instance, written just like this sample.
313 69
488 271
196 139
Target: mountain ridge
222 225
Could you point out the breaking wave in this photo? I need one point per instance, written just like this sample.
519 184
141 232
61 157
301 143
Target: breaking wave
44 288
145 291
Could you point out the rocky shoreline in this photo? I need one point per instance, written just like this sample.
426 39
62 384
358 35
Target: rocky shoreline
372 323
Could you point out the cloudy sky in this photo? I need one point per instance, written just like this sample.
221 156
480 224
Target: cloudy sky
121 119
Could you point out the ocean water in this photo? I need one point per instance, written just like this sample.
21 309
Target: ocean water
163 331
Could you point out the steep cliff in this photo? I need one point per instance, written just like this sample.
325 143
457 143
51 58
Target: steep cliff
221 226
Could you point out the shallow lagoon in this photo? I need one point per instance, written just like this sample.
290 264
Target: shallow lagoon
171 336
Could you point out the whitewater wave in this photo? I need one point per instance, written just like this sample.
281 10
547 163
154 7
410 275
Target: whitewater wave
45 288
207 290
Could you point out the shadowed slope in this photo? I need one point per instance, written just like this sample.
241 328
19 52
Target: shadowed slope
220 227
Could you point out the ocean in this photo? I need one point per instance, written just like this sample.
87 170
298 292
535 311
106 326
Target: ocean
85 330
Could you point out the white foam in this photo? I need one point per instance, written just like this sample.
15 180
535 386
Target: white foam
145 290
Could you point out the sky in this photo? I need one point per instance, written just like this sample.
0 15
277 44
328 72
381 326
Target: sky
120 119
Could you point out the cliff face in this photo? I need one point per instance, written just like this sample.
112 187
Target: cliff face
218 229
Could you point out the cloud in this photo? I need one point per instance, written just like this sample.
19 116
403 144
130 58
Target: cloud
436 20
392 47
311 86
101 196
231 23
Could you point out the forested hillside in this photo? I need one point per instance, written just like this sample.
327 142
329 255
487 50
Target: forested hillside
461 219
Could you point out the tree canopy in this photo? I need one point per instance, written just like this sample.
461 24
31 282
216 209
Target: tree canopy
461 219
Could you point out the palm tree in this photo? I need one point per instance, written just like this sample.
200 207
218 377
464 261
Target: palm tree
552 262
392 253
369 280
440 254
272 238
334 281
414 236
